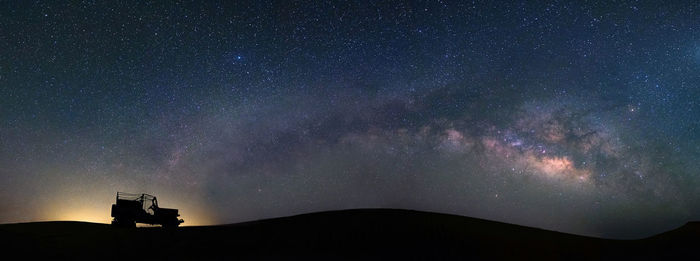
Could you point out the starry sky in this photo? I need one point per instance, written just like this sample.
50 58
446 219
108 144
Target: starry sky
575 116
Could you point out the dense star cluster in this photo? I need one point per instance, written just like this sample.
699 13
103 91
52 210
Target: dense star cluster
574 116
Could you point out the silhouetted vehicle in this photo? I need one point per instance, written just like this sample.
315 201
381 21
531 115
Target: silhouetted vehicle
142 208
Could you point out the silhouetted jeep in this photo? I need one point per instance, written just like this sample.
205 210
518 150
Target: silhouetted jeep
142 208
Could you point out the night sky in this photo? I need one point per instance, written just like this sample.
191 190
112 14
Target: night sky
579 116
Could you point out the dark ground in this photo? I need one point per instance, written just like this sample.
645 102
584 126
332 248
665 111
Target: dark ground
350 234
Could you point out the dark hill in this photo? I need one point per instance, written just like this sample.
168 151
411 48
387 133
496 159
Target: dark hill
350 234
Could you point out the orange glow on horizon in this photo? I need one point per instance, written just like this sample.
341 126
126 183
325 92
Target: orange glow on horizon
84 214
98 210
102 215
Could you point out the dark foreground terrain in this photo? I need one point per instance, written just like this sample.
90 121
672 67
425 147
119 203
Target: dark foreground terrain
352 234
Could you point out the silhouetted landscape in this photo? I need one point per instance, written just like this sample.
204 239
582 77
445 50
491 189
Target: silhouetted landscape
567 116
348 234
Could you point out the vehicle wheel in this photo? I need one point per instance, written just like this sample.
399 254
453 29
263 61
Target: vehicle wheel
123 223
170 225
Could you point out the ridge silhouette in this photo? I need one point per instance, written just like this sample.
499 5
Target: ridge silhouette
378 234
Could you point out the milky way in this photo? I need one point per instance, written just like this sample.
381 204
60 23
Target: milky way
569 116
